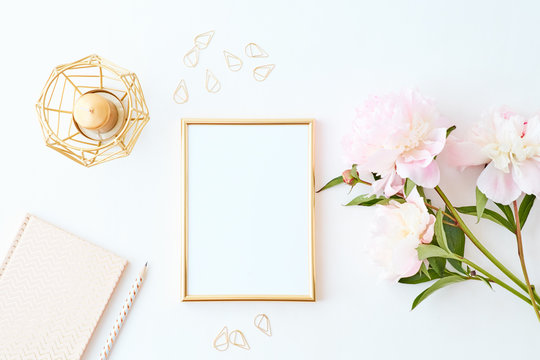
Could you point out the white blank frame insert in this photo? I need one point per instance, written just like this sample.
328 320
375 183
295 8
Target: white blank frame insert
248 214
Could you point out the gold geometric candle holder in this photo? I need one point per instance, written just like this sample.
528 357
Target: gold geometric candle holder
64 87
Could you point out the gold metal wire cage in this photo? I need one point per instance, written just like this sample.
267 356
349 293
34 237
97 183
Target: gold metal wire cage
65 85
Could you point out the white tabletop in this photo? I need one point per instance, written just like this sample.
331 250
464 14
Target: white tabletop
329 56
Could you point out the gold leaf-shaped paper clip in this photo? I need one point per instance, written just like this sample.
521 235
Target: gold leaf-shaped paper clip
191 59
260 73
255 51
202 41
234 63
263 323
211 83
221 342
181 95
237 338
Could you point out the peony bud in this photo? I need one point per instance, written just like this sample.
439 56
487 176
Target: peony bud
348 178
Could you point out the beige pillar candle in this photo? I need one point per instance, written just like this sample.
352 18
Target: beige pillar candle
92 111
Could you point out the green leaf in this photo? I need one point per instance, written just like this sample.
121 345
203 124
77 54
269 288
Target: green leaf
525 208
436 286
368 200
354 173
456 243
409 185
421 192
488 214
507 211
450 129
481 201
420 277
335 181
423 270
439 231
429 209
438 264
428 251
485 280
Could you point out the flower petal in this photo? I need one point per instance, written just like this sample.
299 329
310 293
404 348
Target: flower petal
428 176
421 158
427 236
405 260
415 198
414 266
390 184
498 185
435 141
380 161
462 154
527 176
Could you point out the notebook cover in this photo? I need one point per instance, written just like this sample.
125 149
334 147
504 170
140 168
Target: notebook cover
54 288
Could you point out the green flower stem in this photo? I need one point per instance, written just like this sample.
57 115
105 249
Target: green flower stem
479 245
497 281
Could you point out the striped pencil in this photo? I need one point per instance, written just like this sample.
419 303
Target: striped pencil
123 314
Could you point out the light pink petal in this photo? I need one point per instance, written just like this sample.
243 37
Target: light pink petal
435 141
421 158
354 153
498 185
413 269
377 187
531 131
423 154
427 236
415 198
428 176
394 186
527 176
390 184
462 154
406 263
380 161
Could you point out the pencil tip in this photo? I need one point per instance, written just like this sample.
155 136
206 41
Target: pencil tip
146 264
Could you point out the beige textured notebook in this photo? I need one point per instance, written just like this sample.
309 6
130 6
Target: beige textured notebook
54 287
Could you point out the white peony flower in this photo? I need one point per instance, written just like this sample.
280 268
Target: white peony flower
509 144
397 231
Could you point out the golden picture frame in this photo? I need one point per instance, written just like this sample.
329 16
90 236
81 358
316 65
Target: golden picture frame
225 255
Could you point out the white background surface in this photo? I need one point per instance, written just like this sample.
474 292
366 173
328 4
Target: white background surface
328 56
242 241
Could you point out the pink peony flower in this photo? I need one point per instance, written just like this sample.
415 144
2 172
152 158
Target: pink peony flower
396 137
509 144
396 232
